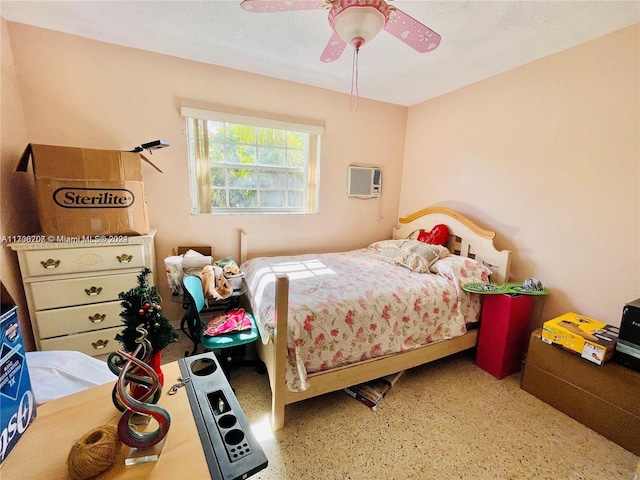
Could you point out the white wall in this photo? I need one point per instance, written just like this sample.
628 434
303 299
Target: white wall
548 156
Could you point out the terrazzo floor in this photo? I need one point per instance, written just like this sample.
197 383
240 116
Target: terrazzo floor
445 420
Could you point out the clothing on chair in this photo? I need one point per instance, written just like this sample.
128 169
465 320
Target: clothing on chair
235 320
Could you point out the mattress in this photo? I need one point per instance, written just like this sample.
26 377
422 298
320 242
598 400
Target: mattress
350 307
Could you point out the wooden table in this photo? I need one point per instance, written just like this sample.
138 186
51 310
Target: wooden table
43 449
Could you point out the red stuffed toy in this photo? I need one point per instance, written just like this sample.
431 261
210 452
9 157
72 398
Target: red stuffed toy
437 236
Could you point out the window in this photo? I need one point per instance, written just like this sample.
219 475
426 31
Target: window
246 164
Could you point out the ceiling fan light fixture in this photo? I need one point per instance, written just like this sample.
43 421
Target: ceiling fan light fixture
356 22
358 25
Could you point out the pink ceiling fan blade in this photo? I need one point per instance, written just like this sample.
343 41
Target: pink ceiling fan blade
412 32
269 6
334 48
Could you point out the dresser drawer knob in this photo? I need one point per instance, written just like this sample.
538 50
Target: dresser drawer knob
124 258
97 318
50 263
93 291
100 344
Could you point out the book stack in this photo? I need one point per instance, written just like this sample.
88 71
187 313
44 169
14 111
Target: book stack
371 393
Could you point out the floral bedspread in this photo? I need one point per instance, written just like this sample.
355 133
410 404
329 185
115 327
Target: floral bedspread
352 306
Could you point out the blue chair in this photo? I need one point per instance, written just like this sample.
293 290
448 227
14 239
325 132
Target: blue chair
229 348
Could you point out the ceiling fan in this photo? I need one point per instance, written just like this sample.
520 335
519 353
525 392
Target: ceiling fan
355 22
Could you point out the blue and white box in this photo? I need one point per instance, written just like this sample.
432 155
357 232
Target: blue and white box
17 401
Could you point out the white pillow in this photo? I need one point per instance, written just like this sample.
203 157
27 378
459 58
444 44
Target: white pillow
419 256
387 249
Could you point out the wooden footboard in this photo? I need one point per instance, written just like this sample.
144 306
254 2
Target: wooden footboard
274 355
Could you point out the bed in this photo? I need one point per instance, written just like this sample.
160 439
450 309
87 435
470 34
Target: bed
333 320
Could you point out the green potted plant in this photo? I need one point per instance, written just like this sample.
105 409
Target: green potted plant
142 306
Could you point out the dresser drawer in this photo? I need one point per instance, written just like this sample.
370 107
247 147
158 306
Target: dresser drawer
80 291
93 343
83 259
63 321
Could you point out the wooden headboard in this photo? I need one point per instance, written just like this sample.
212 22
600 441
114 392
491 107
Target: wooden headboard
465 238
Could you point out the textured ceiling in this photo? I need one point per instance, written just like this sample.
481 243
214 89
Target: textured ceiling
479 38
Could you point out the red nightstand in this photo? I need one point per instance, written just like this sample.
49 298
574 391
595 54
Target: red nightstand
504 331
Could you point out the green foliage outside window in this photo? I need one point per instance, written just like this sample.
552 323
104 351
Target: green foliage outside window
241 167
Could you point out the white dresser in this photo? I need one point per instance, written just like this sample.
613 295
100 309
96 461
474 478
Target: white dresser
72 288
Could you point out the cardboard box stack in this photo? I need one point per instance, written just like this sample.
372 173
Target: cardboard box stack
604 398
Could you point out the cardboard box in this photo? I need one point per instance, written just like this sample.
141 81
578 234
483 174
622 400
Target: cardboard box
605 399
85 192
17 401
207 251
591 339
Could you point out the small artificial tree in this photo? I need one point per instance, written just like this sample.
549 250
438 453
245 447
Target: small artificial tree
142 307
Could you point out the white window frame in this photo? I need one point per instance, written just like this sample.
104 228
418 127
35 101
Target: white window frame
199 165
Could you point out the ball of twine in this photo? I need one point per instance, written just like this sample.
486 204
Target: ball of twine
93 453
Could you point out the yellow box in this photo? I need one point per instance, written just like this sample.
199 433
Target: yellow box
591 339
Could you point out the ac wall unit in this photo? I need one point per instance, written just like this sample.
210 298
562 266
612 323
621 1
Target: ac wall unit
364 182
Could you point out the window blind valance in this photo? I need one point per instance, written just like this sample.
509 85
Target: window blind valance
294 126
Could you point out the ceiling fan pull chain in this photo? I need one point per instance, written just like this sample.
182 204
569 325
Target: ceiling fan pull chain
354 82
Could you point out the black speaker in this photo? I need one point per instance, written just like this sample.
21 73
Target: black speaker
628 347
